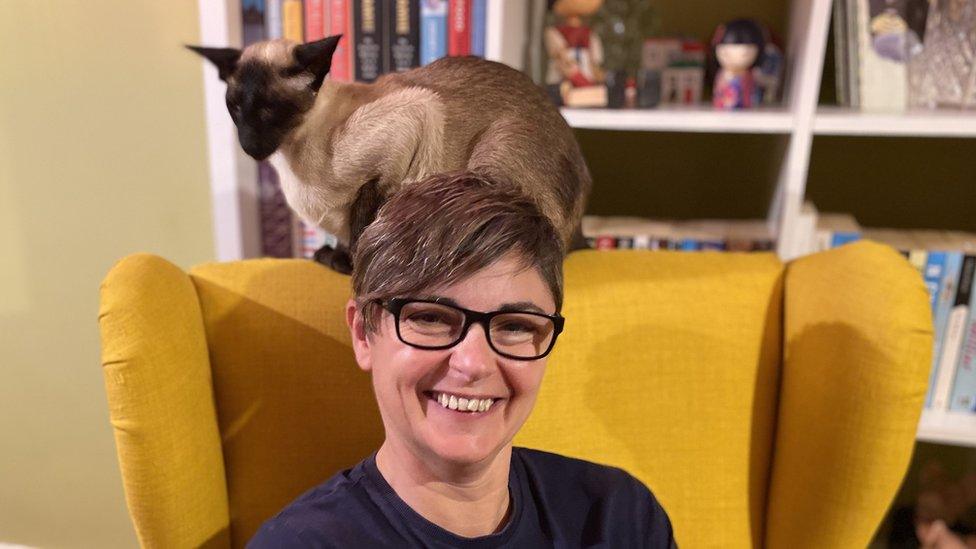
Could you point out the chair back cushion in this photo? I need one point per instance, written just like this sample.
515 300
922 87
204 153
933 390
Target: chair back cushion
668 368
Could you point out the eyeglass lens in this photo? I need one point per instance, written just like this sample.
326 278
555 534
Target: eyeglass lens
434 325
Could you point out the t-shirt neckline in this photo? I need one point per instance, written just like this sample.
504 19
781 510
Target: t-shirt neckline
416 521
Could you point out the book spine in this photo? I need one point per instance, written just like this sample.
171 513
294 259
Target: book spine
272 19
955 330
841 238
479 26
341 69
963 393
314 20
292 26
252 19
368 39
934 273
944 304
403 30
605 243
459 27
433 30
839 12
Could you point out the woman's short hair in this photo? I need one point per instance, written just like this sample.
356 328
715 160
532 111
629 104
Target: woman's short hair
440 230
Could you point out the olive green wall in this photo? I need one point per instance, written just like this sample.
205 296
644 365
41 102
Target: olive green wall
102 154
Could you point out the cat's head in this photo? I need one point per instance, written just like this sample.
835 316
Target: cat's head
270 87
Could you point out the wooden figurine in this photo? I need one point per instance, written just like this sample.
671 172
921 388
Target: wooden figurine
575 76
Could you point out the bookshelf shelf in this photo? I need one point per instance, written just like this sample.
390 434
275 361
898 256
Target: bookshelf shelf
841 121
682 119
957 429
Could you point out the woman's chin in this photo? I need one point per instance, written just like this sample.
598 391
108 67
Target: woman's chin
464 450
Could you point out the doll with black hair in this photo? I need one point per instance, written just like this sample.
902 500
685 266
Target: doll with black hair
737 47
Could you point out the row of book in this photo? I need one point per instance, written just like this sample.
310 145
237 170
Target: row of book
945 260
893 55
378 36
606 233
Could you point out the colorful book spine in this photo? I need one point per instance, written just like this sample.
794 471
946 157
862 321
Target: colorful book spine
433 30
840 238
252 18
315 23
963 394
954 334
292 20
459 27
479 26
341 69
272 19
935 269
368 39
403 30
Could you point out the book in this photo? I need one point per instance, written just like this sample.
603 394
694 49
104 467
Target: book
368 44
272 19
479 26
341 69
403 30
433 30
252 20
953 338
935 272
459 27
835 229
316 25
963 392
292 20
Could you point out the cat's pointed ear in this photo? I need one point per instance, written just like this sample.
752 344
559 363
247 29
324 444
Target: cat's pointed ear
225 59
316 57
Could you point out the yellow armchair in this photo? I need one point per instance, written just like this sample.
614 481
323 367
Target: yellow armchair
766 405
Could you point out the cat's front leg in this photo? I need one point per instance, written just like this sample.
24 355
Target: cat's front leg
338 259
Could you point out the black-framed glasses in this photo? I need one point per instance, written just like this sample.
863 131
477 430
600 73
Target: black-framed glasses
519 335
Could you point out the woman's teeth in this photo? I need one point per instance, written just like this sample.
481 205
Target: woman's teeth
464 404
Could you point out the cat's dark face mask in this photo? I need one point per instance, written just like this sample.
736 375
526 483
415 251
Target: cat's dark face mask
270 86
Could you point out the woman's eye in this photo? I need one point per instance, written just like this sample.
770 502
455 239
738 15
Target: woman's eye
518 327
427 318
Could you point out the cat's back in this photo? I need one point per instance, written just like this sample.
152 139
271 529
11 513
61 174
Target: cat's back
474 81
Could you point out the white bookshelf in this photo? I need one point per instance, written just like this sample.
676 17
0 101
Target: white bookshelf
233 174
682 119
927 123
955 428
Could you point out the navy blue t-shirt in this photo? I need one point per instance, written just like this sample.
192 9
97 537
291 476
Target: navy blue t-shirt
556 502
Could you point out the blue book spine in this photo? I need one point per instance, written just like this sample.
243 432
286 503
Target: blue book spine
433 30
479 26
689 245
840 238
963 396
935 269
272 20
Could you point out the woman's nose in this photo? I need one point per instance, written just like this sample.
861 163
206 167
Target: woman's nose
472 356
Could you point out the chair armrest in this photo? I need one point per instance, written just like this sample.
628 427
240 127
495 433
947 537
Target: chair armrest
857 352
158 381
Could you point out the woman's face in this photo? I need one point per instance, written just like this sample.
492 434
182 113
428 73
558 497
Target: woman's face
408 381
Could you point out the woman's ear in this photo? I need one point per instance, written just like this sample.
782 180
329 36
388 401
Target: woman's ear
360 338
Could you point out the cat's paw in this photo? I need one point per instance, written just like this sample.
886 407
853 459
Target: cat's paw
336 259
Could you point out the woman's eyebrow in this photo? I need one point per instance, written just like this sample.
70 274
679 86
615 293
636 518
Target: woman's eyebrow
506 307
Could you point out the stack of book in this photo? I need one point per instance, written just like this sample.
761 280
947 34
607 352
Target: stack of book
378 36
606 233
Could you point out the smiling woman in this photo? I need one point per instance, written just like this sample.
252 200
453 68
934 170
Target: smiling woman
458 288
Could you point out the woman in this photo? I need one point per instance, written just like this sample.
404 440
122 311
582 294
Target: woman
458 287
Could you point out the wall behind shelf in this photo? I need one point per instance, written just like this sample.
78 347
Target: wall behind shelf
681 175
895 181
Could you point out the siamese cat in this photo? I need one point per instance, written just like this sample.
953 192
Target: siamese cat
341 149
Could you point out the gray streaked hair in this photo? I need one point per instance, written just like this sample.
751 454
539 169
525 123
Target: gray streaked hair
443 229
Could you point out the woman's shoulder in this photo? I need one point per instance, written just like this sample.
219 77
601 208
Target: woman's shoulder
547 465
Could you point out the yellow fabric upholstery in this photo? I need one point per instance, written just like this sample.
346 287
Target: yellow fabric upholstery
233 390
